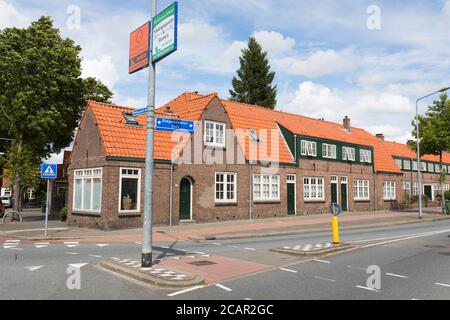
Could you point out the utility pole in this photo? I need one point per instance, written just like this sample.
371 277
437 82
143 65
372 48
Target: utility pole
149 159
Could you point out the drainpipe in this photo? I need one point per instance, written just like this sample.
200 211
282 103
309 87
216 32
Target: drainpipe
375 190
171 195
250 206
295 147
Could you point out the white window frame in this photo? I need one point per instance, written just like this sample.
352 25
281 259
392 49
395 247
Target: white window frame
437 168
309 148
406 185
399 163
272 187
130 176
423 166
407 164
365 156
430 167
311 189
215 134
329 151
84 174
414 165
225 183
348 154
361 190
389 190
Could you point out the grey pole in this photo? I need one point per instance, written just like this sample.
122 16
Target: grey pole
149 161
419 171
47 207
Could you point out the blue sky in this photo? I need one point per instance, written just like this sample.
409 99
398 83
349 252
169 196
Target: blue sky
328 62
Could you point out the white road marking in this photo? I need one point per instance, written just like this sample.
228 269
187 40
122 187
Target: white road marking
442 284
14 248
414 299
288 270
389 238
250 249
72 253
322 261
406 238
369 289
248 299
357 268
397 275
34 268
139 243
184 291
101 245
216 244
71 244
223 287
94 256
12 241
198 252
325 279
165 247
78 265
40 246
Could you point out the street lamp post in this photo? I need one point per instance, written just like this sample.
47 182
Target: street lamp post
419 169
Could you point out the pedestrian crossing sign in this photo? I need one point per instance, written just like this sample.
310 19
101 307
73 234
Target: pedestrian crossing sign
48 171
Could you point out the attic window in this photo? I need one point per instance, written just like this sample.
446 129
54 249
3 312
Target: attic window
130 119
254 135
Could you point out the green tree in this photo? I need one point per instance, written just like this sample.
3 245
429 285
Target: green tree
253 84
434 133
42 94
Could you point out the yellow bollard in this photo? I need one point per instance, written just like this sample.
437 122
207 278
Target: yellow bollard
335 224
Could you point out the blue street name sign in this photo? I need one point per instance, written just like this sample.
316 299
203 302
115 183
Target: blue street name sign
164 124
140 112
49 171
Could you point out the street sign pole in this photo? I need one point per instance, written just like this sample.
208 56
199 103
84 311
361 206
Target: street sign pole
46 207
149 161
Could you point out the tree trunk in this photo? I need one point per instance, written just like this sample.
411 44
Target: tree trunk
16 191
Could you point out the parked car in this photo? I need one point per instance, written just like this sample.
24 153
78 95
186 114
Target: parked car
2 209
6 202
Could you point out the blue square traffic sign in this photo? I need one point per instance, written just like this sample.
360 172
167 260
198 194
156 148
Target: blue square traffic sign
49 171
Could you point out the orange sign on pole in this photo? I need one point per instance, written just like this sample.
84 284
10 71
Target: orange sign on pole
139 49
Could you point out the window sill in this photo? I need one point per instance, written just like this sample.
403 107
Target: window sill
314 201
226 204
267 201
362 201
130 214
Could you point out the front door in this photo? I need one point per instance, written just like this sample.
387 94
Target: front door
428 192
185 199
291 182
344 189
334 189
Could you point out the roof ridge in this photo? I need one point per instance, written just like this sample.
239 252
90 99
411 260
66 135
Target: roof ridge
91 102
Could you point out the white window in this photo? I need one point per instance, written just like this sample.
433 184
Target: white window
399 163
334 179
389 192
444 168
266 187
430 167
446 187
87 190
365 156
291 178
130 190
415 189
309 148
415 166
225 187
215 134
406 185
348 153
313 189
361 190
423 166
407 165
329 151
437 168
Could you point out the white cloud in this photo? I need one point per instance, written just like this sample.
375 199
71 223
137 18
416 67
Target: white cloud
10 16
274 42
319 63
102 69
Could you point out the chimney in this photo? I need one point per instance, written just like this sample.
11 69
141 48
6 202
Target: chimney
347 123
380 136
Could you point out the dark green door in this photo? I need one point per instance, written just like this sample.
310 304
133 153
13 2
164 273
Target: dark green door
344 197
291 198
428 192
334 194
185 199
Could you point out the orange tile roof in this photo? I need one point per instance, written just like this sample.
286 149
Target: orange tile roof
403 151
121 140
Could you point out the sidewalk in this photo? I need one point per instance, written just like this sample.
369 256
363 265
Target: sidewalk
59 231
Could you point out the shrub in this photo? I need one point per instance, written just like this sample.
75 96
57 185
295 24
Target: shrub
447 195
63 214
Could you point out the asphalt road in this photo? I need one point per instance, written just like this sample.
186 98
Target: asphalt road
414 261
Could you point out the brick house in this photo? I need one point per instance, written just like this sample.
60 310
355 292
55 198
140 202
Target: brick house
242 162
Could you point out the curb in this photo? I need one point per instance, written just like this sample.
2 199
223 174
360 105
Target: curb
142 276
232 236
342 248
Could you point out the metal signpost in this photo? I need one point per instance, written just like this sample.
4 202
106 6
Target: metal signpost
48 172
163 41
